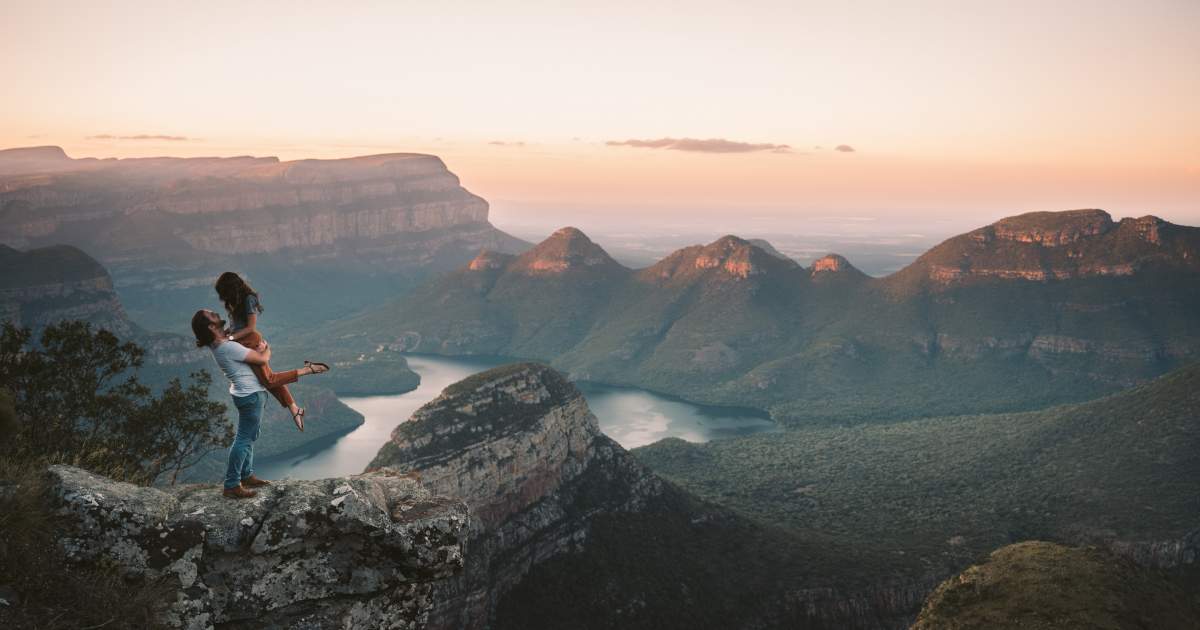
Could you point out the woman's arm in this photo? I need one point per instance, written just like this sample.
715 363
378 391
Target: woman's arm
259 357
251 321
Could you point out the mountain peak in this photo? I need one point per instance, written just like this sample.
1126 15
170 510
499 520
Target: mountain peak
1050 229
1043 246
736 256
833 263
45 152
729 254
565 250
488 259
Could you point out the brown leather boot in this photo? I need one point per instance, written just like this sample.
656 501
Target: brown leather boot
238 492
254 482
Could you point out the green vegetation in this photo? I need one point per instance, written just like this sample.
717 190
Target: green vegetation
937 492
73 409
1044 586
74 398
833 349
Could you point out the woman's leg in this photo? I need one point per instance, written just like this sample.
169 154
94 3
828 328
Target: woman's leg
277 382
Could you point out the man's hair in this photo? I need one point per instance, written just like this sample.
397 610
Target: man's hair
204 334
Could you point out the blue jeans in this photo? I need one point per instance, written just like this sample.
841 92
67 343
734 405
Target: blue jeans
241 454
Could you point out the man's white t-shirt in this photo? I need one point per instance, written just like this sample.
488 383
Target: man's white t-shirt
231 357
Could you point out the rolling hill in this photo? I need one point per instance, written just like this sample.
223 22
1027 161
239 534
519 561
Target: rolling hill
1034 310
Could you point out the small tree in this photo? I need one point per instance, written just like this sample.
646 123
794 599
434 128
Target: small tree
79 400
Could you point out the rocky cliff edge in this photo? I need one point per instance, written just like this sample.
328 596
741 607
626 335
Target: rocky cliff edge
355 552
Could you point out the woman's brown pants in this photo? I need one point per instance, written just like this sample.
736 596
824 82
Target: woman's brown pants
275 382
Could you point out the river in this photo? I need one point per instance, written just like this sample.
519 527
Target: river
633 417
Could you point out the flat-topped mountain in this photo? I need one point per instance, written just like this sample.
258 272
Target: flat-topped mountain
351 228
1058 246
568 529
1033 310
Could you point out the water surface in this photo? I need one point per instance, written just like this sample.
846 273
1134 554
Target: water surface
633 417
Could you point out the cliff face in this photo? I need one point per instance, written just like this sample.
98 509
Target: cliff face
244 205
1043 246
568 530
357 552
520 447
356 229
51 284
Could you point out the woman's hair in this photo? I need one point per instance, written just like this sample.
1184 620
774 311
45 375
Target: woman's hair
233 292
204 334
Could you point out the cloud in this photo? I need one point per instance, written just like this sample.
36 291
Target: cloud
711 145
140 136
844 148
502 143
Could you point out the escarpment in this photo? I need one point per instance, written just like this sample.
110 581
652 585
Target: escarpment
520 447
359 552
240 205
568 530
1043 246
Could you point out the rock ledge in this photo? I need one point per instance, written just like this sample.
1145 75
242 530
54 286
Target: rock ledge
347 552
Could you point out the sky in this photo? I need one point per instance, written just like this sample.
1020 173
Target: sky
643 111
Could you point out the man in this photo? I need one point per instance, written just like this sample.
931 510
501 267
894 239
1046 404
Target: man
235 360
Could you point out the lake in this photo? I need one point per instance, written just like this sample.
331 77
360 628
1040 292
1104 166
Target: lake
633 417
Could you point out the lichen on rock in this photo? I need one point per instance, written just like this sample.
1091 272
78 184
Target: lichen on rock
351 552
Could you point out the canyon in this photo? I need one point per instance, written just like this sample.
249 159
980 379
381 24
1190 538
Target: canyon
348 229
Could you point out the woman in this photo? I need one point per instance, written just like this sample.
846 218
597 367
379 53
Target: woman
242 304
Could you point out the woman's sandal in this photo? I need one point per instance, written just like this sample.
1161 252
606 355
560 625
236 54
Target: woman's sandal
298 418
313 365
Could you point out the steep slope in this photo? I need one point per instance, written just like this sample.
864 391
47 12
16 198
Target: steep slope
1031 311
51 284
1043 585
1118 471
346 228
569 531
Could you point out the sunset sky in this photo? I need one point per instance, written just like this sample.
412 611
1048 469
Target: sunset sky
941 108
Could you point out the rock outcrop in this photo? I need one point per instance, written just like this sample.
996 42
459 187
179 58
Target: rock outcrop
520 447
566 250
733 257
1046 246
357 552
51 284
